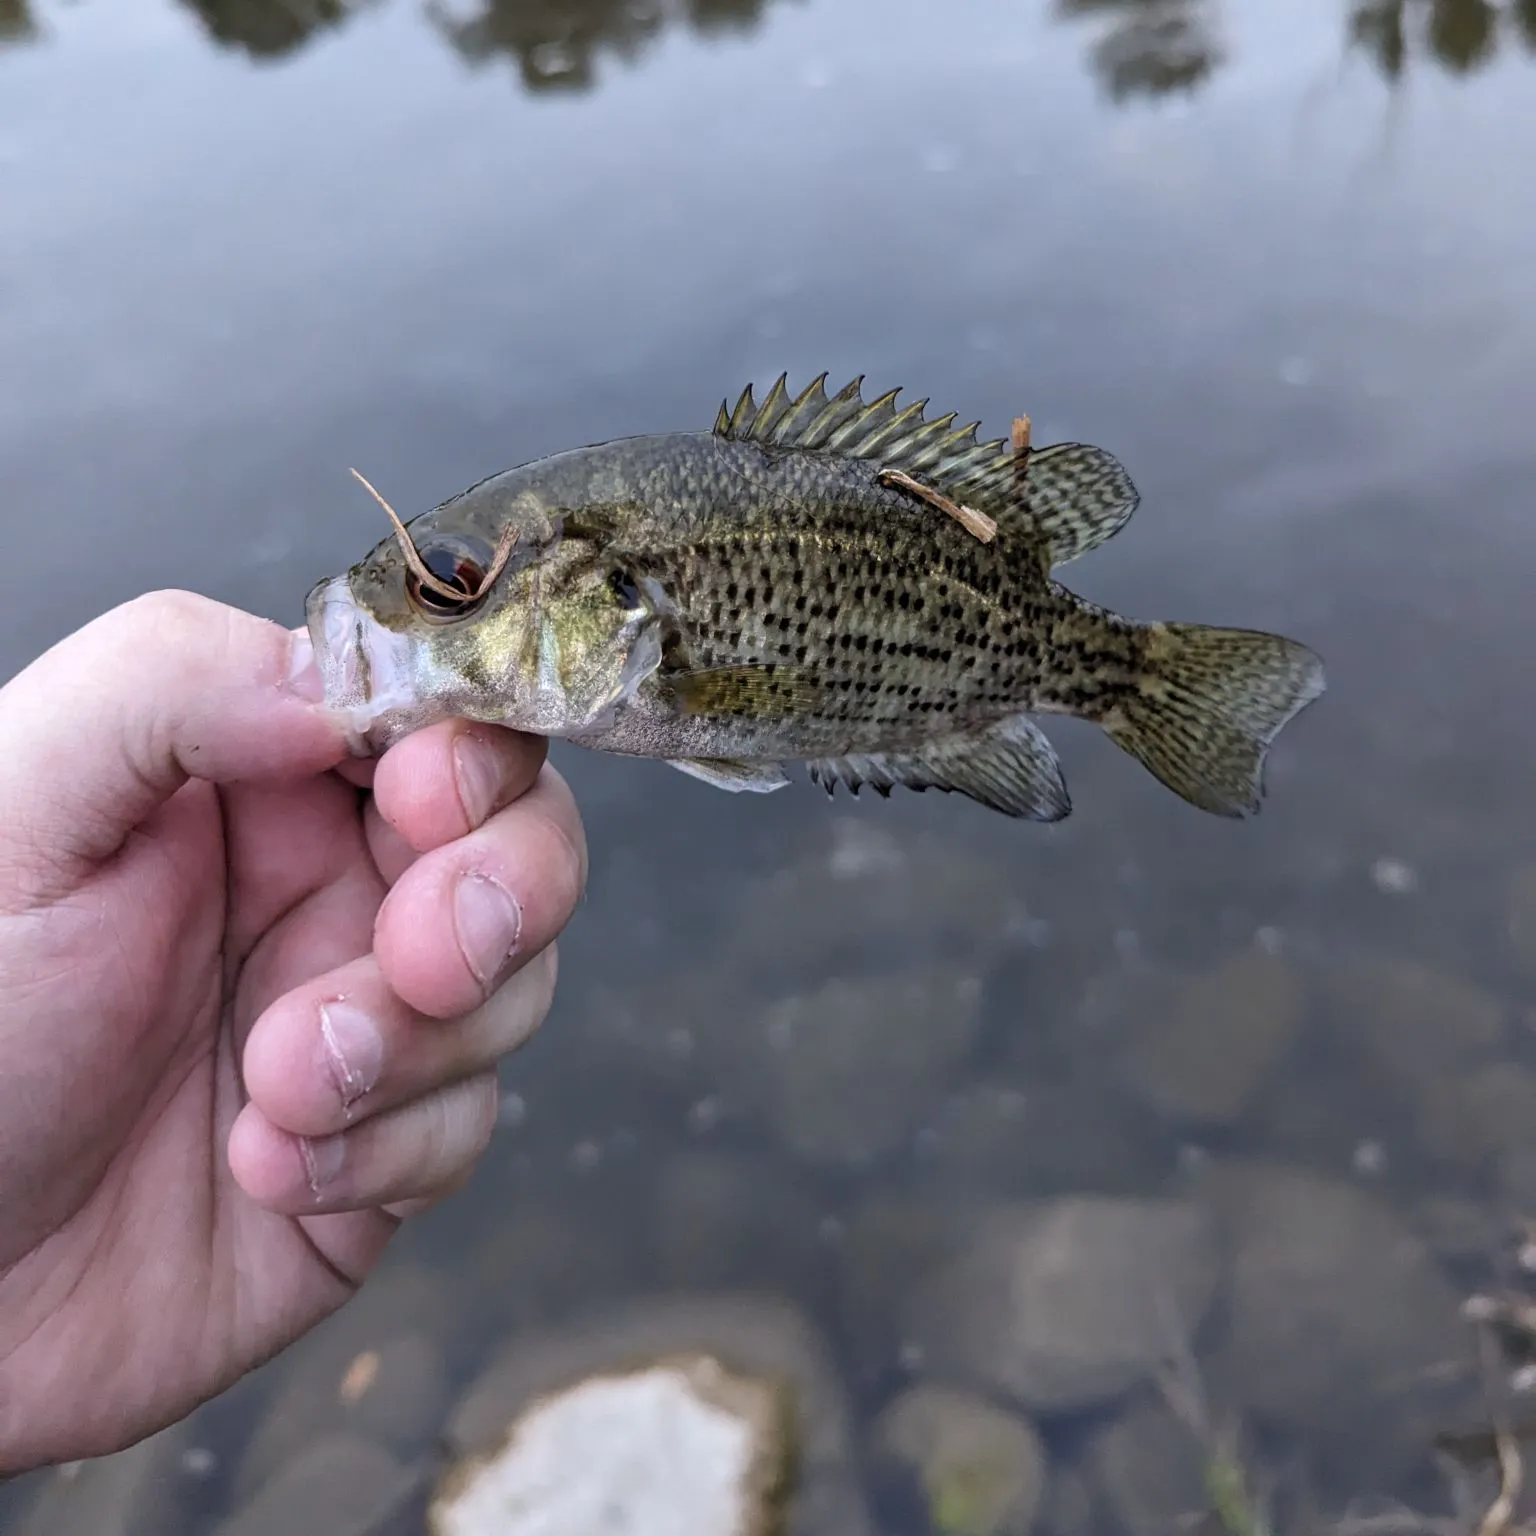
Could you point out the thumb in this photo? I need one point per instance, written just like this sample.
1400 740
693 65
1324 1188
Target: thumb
115 718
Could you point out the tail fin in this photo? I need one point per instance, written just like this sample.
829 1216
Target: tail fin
1209 704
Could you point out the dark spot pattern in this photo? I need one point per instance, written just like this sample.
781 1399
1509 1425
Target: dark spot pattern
891 611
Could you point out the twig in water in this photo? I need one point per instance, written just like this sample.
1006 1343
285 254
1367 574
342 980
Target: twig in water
1234 1510
1496 1521
1395 1522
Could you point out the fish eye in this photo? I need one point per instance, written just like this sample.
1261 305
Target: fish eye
625 588
454 567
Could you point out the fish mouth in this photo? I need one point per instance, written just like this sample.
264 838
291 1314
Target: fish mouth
368 672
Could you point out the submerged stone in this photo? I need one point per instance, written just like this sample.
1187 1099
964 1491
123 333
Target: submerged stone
677 1413
982 1468
674 1445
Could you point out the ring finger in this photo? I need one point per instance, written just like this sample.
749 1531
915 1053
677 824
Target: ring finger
415 1152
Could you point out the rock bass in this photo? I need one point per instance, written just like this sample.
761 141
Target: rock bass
819 579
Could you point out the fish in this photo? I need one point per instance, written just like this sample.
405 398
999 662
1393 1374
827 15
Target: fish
820 580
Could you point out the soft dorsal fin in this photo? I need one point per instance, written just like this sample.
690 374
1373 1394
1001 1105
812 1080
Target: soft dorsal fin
1072 496
1078 496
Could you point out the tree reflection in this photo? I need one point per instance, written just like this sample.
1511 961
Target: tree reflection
1151 48
1144 48
269 29
16 24
1460 35
556 42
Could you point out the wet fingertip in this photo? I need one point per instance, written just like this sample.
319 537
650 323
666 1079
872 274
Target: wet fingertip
482 1106
477 771
281 1171
264 1160
416 788
322 1158
303 677
564 816
358 771
403 1210
487 922
504 762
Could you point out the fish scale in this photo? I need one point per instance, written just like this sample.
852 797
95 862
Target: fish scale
939 640
852 585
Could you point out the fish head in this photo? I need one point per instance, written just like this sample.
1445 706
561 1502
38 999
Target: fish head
553 645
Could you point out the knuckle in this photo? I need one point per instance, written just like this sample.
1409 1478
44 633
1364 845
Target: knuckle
170 614
196 633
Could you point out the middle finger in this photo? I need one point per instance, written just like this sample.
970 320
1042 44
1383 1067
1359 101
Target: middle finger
466 916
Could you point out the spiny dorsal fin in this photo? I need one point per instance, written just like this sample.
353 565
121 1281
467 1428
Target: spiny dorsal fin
1072 498
1011 768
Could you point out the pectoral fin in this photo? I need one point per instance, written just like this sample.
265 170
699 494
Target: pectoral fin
761 691
1010 768
732 774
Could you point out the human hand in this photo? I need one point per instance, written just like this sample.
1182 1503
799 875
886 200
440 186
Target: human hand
249 1013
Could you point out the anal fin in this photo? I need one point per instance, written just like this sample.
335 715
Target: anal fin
733 774
1010 767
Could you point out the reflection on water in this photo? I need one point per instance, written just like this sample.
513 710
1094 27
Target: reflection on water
1144 48
1151 47
270 29
556 42
15 22
1461 35
1158 47
1282 1075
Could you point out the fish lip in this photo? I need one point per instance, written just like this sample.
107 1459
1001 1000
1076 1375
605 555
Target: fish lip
334 636
366 670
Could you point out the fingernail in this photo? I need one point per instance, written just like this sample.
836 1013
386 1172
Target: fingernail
478 771
354 1050
303 675
323 1157
487 921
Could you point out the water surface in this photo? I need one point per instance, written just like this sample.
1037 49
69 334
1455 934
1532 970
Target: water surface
1276 257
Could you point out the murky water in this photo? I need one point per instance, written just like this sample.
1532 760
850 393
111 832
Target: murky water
1276 257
